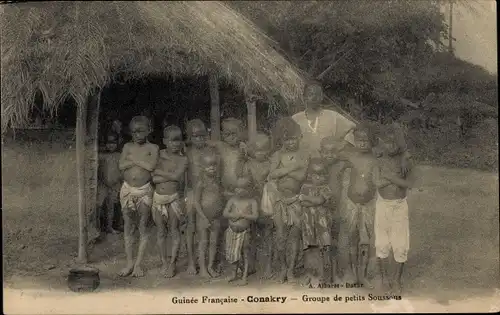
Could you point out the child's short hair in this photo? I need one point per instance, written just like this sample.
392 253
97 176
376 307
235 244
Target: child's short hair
195 123
286 128
364 128
172 129
261 139
140 120
396 132
317 166
331 140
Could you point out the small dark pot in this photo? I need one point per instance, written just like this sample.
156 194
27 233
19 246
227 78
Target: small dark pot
84 279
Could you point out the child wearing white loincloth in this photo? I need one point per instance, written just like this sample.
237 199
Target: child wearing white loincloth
391 226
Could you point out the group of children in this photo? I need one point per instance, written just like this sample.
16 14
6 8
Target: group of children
303 208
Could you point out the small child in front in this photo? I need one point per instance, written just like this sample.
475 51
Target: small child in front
209 205
137 161
315 198
109 181
391 209
168 208
241 210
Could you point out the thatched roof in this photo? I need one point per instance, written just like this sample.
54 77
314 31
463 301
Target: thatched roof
69 48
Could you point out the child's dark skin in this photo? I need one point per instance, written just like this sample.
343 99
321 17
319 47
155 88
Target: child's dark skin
393 183
110 177
258 168
241 210
361 191
289 169
209 205
137 161
168 177
197 136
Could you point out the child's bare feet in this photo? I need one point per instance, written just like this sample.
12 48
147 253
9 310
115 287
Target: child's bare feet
170 272
127 271
163 270
290 276
138 272
268 274
282 276
204 274
349 278
315 282
397 288
232 277
385 285
191 269
213 273
306 281
366 283
113 231
242 282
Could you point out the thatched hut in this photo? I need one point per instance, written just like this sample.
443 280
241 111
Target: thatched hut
74 49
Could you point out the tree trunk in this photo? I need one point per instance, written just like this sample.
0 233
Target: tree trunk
215 107
81 129
450 29
86 161
252 119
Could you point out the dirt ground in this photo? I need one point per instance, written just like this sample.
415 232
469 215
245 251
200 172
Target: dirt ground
454 222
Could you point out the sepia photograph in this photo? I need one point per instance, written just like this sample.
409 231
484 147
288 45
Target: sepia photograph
246 157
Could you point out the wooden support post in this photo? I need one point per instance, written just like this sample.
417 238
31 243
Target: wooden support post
81 120
252 118
86 162
214 107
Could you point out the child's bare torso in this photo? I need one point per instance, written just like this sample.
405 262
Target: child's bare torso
259 172
231 157
170 163
194 166
391 165
242 208
336 179
288 185
212 199
362 187
137 176
111 172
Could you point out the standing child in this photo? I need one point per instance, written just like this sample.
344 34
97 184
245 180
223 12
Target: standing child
109 181
315 198
197 136
137 161
258 167
338 181
241 210
357 209
209 205
287 174
391 210
167 206
231 153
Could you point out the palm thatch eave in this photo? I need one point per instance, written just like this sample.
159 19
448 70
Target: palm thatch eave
66 49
